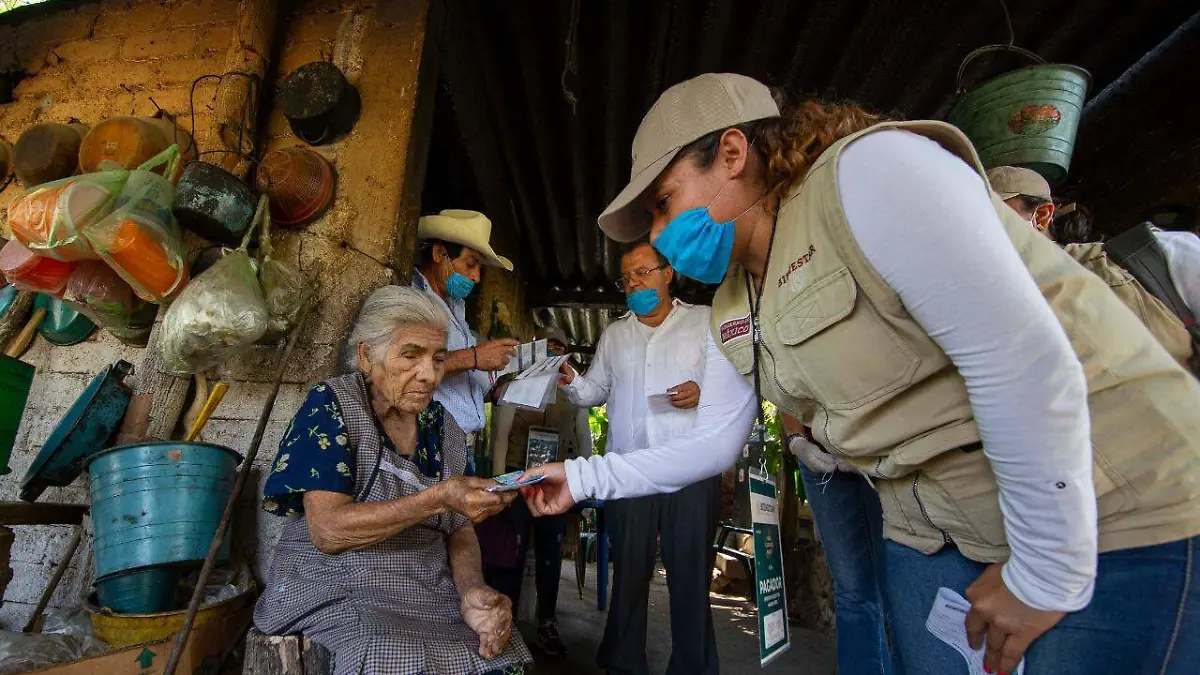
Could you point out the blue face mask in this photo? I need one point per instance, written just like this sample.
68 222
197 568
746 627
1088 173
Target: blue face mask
458 286
697 246
642 302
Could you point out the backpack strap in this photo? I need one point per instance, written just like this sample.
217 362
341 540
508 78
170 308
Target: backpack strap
1139 252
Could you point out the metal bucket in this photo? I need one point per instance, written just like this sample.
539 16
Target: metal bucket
1026 117
158 503
16 377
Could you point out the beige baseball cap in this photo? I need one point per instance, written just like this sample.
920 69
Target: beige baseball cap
1010 181
684 113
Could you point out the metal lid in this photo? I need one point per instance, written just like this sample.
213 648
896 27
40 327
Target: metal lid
312 90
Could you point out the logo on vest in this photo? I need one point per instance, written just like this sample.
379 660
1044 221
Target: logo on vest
735 328
796 265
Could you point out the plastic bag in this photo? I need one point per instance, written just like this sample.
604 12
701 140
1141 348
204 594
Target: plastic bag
28 271
49 219
140 238
221 312
103 296
66 636
285 288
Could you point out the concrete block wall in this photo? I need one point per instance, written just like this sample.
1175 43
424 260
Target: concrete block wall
121 57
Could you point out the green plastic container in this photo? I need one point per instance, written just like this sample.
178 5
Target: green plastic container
16 377
141 591
1026 117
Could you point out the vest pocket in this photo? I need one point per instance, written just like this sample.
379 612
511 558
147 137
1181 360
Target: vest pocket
841 351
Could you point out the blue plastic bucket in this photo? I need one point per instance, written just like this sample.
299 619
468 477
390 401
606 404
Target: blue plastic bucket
158 503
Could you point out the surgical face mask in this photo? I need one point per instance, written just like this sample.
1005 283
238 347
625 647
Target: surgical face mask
696 245
458 286
642 302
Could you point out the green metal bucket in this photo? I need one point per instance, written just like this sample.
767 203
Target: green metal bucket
16 377
1026 117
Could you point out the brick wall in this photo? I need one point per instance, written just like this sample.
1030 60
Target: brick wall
93 60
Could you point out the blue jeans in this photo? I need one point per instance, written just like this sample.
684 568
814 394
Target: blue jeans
1144 618
846 510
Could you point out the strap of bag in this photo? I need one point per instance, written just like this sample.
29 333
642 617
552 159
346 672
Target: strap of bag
259 214
1140 254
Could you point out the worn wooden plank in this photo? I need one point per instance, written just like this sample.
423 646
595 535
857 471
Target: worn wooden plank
23 513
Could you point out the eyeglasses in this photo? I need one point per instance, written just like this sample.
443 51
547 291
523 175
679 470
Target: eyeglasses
640 273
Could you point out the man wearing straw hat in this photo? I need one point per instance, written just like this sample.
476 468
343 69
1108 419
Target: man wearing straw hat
454 247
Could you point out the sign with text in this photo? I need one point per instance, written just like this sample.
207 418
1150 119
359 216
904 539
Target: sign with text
774 638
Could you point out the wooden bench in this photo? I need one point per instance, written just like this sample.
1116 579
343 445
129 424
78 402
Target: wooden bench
284 655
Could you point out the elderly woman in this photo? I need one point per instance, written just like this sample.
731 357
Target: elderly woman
379 561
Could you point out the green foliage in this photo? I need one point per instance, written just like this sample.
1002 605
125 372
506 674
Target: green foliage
598 423
773 451
6 5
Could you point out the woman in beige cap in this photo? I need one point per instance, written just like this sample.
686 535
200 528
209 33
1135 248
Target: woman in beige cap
1034 449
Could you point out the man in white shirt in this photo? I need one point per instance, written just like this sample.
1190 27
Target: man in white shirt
454 246
648 370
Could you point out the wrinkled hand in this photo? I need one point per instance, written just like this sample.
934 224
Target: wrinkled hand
488 613
1009 624
466 495
494 354
812 455
684 396
551 496
566 374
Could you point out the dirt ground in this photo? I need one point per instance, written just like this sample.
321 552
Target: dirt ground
581 626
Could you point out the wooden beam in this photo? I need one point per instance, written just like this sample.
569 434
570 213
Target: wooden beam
24 513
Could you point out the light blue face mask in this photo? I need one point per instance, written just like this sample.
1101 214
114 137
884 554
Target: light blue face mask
643 301
458 286
696 245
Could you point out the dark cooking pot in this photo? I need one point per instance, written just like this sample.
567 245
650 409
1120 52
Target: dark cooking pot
213 203
319 103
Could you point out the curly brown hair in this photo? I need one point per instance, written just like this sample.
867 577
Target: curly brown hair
788 145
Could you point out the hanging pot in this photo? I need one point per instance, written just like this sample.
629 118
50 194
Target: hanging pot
1026 117
47 152
319 103
213 203
6 162
127 142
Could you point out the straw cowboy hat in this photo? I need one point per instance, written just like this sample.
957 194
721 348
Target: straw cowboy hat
468 228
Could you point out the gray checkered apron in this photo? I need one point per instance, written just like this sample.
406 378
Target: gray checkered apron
391 608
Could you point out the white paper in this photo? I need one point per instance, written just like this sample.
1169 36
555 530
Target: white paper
948 623
528 354
535 387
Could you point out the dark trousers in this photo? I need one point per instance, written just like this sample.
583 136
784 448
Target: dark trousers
548 535
683 524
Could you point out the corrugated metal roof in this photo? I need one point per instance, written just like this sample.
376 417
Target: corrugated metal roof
540 98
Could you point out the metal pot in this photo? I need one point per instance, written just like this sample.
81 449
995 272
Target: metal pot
319 103
47 152
213 203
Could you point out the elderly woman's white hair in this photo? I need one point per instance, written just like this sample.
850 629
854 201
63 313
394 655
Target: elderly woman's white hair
385 311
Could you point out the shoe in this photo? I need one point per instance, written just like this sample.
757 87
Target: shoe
547 640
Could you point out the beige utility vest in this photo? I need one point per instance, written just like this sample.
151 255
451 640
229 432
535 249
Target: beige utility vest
1163 324
842 354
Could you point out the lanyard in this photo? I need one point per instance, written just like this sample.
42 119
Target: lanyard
759 434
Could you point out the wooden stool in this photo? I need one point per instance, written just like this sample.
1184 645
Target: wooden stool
284 655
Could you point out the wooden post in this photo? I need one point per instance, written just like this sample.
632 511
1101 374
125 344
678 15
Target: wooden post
248 53
284 655
236 109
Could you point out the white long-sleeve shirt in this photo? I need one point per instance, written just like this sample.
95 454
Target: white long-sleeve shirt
635 361
924 221
1183 260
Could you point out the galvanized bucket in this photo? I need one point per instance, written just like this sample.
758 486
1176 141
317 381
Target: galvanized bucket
1026 117
158 503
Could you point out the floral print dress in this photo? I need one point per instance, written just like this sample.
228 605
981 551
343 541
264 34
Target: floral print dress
315 453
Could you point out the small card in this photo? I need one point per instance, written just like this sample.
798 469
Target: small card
660 403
